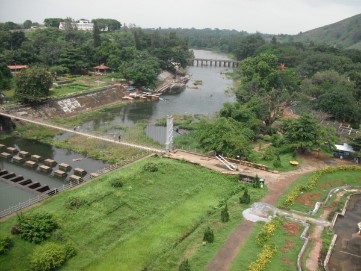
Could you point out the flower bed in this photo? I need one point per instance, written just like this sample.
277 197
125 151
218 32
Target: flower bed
312 183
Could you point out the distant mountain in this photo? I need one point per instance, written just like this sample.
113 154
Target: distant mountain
346 33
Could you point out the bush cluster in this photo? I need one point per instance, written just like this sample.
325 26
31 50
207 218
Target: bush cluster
246 198
5 244
75 203
117 184
312 182
35 227
51 256
208 235
225 214
184 266
150 167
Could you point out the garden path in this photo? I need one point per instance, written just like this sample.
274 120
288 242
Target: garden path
277 185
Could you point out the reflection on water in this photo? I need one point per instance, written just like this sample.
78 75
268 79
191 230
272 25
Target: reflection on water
346 255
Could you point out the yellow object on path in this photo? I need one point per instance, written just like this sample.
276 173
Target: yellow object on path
295 163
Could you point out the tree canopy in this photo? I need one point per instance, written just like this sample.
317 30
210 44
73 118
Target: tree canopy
306 133
32 84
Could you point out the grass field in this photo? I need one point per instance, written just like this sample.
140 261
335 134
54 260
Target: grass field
287 242
285 161
155 220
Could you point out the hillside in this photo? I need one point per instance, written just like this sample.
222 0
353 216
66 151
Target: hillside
346 33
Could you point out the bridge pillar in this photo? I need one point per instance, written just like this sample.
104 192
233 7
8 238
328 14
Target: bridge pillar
169 139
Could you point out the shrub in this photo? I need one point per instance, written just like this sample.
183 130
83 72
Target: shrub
50 256
5 244
246 198
269 154
208 235
184 266
117 184
277 163
225 214
267 138
36 227
256 182
58 235
75 203
150 167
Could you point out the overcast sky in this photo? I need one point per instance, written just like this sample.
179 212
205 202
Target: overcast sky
265 16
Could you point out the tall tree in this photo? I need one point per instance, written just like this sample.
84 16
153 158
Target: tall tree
96 35
27 24
5 77
306 133
32 85
356 145
53 22
261 78
226 136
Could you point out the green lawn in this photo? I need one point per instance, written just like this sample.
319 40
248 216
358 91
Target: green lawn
154 217
284 157
288 245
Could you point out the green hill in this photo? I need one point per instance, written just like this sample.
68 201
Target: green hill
346 33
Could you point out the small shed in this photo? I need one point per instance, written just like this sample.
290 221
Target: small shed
102 69
344 151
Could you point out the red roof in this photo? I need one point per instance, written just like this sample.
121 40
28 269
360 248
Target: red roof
17 67
101 67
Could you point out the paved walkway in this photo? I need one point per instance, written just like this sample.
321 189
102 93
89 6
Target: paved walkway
83 134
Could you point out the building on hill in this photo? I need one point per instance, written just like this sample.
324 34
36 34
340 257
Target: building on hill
81 25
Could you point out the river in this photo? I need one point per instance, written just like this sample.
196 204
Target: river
206 99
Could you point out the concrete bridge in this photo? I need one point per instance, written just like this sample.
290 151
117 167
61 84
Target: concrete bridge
214 62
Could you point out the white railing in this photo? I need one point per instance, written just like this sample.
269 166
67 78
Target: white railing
226 163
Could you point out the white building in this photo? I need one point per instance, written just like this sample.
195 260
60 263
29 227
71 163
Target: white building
81 25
